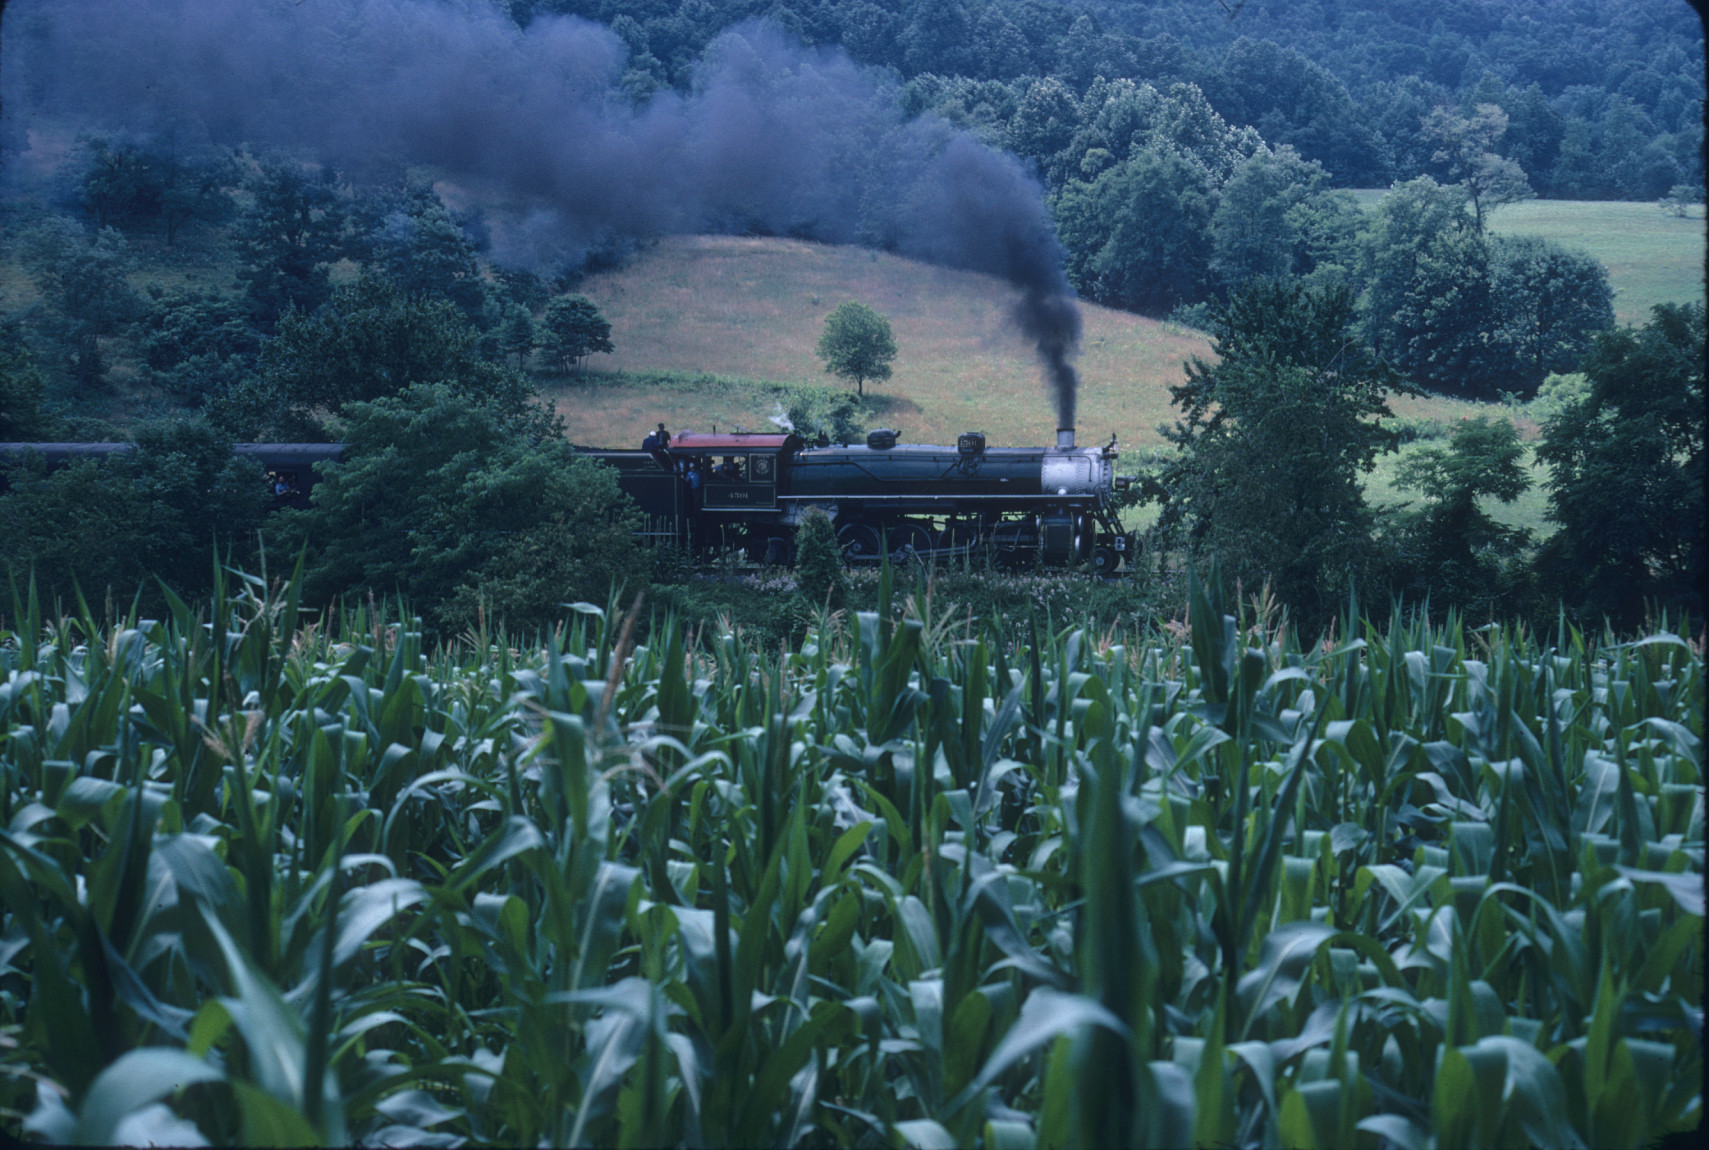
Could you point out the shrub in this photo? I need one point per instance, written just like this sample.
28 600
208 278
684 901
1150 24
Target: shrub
819 562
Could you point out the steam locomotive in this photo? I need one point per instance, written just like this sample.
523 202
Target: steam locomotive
1053 505
712 492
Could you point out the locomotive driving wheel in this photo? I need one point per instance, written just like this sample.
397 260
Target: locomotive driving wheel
910 541
860 543
960 539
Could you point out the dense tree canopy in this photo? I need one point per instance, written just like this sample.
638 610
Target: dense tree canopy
1627 472
1451 549
466 504
169 510
83 278
23 392
1275 437
1470 314
1602 99
287 240
369 341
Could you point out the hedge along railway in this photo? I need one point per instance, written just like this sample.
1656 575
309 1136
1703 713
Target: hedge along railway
273 879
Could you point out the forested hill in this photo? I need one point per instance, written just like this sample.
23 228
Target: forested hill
1603 97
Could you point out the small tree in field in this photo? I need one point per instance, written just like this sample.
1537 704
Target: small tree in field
574 329
857 344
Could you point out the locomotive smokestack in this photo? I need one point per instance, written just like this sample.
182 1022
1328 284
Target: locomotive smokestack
1064 438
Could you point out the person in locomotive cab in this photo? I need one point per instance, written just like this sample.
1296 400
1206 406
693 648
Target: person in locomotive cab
693 477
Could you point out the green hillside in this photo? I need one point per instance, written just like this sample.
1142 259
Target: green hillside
705 326
753 309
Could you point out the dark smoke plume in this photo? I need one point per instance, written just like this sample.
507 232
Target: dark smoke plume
772 137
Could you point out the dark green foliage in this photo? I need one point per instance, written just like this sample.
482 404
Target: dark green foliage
1468 314
1347 84
286 241
574 329
1296 102
819 574
1627 479
466 502
522 287
162 511
1550 302
1267 219
857 344
130 187
1427 300
408 237
120 185
22 391
74 526
517 334
826 415
1139 234
197 344
369 341
1466 151
1274 438
1451 549
88 299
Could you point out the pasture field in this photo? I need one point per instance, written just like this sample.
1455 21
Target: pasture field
753 309
1652 256
915 880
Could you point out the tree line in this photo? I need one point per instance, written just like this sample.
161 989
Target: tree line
241 357
1319 310
1275 437
1604 100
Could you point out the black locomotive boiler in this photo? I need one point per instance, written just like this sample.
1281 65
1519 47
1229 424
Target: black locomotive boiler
1054 505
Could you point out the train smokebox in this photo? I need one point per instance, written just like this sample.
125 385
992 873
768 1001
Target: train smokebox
1064 438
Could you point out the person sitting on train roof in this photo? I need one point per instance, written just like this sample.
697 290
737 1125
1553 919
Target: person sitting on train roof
656 440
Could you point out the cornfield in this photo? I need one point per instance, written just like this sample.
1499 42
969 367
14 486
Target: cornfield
277 879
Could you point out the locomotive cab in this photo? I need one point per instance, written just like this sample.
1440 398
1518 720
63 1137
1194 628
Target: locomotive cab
737 472
731 484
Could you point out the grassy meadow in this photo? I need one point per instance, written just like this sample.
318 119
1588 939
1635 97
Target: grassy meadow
1652 256
753 309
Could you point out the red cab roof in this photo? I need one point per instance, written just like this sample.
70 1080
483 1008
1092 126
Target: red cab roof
737 441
